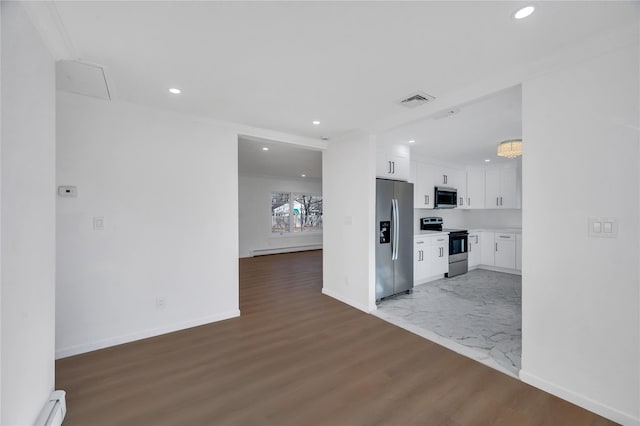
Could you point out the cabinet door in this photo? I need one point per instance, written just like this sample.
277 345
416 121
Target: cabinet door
508 188
392 162
423 190
487 248
492 189
505 250
460 183
440 177
474 249
519 252
400 168
383 164
421 260
475 189
440 256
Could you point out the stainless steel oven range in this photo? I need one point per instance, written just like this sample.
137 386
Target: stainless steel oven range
458 245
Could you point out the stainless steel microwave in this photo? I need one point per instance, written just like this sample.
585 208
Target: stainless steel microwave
445 198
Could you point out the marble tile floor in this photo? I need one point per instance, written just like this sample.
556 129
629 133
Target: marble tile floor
477 314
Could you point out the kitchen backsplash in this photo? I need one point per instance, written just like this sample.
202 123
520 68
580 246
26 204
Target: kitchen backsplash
472 219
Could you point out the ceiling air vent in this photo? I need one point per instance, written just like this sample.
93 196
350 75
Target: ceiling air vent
82 78
416 99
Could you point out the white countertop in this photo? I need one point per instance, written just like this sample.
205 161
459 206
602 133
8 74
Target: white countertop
506 230
430 233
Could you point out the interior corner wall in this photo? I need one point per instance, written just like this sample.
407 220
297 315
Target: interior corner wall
254 194
580 315
166 187
348 170
27 219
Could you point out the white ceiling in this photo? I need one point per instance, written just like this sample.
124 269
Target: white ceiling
281 65
282 159
469 136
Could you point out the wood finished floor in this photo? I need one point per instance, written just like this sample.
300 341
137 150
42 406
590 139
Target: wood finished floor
296 357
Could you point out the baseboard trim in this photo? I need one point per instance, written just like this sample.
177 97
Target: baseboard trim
346 300
280 250
127 338
497 269
580 400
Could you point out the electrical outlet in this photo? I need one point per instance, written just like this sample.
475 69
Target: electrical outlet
160 302
67 191
98 223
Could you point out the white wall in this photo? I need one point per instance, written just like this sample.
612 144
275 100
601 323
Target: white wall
348 170
28 219
580 295
167 188
255 214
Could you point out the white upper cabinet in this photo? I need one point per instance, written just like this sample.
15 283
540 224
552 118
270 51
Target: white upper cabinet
475 189
443 176
392 162
501 188
423 186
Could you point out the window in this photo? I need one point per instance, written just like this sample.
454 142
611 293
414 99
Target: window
291 212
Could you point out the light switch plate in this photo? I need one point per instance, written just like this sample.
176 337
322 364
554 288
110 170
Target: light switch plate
603 227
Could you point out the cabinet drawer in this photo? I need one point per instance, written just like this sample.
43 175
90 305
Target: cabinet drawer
505 237
439 240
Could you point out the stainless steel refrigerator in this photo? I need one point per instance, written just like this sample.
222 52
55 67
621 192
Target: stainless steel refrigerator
394 242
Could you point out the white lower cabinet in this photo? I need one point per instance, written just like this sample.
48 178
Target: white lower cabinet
430 258
421 255
505 251
495 249
487 248
440 255
474 249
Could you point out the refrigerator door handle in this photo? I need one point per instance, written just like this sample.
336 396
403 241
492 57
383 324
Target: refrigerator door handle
396 228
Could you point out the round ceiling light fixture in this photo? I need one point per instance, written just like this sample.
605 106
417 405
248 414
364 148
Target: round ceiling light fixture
510 148
524 12
412 141
264 148
175 91
303 175
315 122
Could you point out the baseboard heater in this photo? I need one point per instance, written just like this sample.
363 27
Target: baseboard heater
277 250
54 410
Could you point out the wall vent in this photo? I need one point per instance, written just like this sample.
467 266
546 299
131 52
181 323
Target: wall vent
416 99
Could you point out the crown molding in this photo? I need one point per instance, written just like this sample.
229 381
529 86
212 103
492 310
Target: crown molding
46 19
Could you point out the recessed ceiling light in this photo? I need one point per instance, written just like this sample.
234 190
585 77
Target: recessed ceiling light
412 141
264 148
487 160
175 91
315 122
524 12
303 175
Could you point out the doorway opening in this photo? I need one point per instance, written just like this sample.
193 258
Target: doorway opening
279 197
477 310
